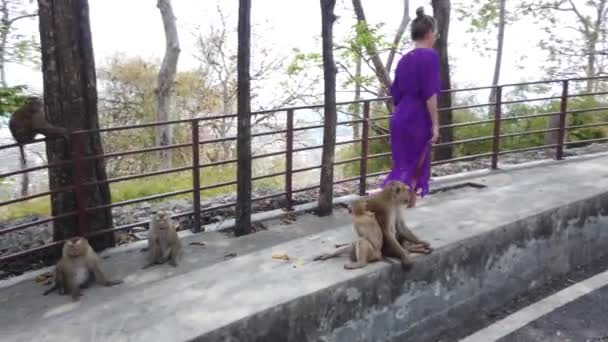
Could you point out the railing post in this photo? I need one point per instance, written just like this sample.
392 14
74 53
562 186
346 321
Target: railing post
289 161
563 111
497 122
364 150
79 175
196 178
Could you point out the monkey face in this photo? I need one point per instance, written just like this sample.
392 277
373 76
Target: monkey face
74 247
358 208
34 102
162 217
398 191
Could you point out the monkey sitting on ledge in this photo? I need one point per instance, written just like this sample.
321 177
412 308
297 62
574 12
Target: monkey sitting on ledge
78 266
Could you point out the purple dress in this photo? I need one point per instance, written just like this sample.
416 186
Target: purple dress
416 80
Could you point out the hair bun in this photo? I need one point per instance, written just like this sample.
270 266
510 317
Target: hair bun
420 12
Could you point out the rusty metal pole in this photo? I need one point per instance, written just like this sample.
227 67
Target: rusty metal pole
289 161
497 122
79 176
364 150
196 178
563 111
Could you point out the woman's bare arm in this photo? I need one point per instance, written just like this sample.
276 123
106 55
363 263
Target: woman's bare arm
431 105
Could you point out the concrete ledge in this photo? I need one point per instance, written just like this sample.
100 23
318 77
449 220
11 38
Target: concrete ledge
492 244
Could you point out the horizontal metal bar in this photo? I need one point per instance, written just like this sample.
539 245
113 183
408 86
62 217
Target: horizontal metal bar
347 161
219 163
379 155
587 110
307 127
217 185
34 196
269 154
304 169
35 223
585 141
527 149
464 141
346 142
265 197
139 151
464 158
271 175
346 180
597 124
307 148
377 174
35 168
378 137
139 200
532 100
517 134
144 175
589 94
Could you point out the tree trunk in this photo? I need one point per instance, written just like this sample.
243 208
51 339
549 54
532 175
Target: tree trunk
372 51
70 98
326 194
243 205
4 26
405 20
441 12
499 42
357 106
166 78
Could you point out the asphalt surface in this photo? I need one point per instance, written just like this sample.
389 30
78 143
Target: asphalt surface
541 330
584 319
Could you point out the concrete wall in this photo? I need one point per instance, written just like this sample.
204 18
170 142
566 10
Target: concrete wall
480 273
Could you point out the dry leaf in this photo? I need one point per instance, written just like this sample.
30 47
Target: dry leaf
298 263
198 243
280 256
44 277
230 255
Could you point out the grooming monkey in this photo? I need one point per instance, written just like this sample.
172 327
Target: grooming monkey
163 243
78 265
387 206
368 248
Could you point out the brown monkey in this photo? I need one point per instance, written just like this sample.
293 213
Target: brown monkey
386 205
408 239
368 248
163 243
29 120
78 265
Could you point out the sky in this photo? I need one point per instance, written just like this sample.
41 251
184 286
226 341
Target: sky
134 28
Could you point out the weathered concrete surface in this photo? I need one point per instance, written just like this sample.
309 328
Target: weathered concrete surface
492 243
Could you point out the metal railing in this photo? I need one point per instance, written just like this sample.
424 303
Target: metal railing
78 159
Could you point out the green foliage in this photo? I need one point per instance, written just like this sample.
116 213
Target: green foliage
11 98
515 124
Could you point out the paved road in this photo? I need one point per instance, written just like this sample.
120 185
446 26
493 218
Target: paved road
578 313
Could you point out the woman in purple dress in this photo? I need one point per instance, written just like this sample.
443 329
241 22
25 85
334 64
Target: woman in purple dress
414 123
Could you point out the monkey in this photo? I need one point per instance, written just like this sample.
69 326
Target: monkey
163 243
386 206
29 120
368 248
78 266
410 241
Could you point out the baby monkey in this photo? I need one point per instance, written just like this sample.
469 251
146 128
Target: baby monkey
78 266
368 248
163 243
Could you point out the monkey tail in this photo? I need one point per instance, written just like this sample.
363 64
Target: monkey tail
22 156
50 290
